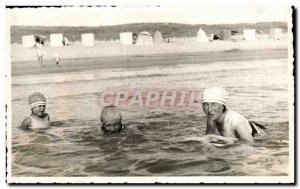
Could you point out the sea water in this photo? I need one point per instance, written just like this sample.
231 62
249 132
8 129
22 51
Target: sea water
159 140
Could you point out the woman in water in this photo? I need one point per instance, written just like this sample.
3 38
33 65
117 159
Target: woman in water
223 122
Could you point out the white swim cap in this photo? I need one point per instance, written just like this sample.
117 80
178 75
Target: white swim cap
215 94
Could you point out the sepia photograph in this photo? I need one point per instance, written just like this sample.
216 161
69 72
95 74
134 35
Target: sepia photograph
188 94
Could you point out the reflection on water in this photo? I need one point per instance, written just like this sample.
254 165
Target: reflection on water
157 141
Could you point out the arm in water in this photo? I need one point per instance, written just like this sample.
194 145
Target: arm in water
26 124
217 140
214 136
240 128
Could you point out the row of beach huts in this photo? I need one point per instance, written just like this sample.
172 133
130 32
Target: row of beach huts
144 38
247 34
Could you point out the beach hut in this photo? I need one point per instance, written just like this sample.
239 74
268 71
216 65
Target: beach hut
225 35
158 38
126 38
249 34
201 36
275 33
87 39
56 40
29 41
144 38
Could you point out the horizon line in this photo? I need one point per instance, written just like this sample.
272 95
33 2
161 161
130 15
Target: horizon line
151 23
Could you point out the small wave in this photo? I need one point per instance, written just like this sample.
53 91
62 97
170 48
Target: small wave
157 145
179 167
232 50
158 71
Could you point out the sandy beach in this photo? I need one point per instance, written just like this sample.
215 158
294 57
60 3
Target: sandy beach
111 54
142 61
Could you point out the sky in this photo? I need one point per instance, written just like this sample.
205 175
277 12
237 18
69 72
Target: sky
188 14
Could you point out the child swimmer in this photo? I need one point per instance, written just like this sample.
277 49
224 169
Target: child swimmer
38 119
111 120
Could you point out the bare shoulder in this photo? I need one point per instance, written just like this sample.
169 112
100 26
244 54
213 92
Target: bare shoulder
47 115
237 119
26 120
26 123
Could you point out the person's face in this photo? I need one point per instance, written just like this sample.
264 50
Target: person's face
112 127
39 110
213 110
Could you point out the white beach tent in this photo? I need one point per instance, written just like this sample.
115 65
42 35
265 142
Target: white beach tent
56 40
126 38
276 33
144 38
29 41
158 38
87 39
201 36
249 34
225 35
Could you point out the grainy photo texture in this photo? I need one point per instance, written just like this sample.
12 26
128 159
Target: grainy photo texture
167 94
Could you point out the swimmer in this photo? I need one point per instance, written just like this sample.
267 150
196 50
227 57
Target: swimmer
39 55
224 122
111 120
57 59
38 119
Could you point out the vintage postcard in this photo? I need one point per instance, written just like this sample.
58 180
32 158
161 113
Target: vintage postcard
150 94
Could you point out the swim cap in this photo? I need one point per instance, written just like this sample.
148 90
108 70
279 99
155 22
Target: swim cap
215 94
110 115
36 99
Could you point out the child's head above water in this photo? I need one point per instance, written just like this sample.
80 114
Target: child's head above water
111 119
37 103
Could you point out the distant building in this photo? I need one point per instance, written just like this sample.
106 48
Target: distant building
276 33
87 39
158 38
249 34
201 36
144 38
128 38
225 35
29 41
56 40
